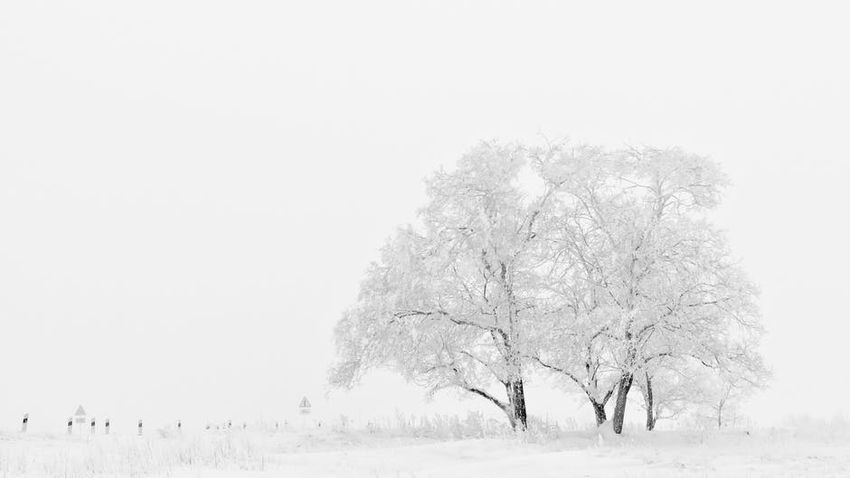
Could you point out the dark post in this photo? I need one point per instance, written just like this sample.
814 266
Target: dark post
106 426
25 422
140 428
92 425
70 424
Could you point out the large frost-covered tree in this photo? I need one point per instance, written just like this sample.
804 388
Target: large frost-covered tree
610 271
661 280
450 303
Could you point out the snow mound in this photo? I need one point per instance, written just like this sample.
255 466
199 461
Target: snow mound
605 433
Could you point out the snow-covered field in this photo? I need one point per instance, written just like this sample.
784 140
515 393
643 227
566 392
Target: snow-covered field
325 453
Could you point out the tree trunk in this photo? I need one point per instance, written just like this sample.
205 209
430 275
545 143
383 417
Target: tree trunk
650 405
518 402
720 414
622 396
599 405
599 411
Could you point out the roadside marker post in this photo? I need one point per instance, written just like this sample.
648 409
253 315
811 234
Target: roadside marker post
80 418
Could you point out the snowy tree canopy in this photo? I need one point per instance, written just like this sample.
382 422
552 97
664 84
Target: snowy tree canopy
589 263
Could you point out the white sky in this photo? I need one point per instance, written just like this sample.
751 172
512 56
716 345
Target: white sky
190 191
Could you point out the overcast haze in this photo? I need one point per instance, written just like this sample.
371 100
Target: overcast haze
191 191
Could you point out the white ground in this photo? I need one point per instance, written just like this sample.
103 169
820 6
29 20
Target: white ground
768 453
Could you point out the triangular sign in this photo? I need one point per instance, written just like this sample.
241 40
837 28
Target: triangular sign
80 411
304 403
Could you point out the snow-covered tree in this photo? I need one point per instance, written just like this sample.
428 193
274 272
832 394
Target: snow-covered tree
611 272
728 383
662 283
449 304
670 387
